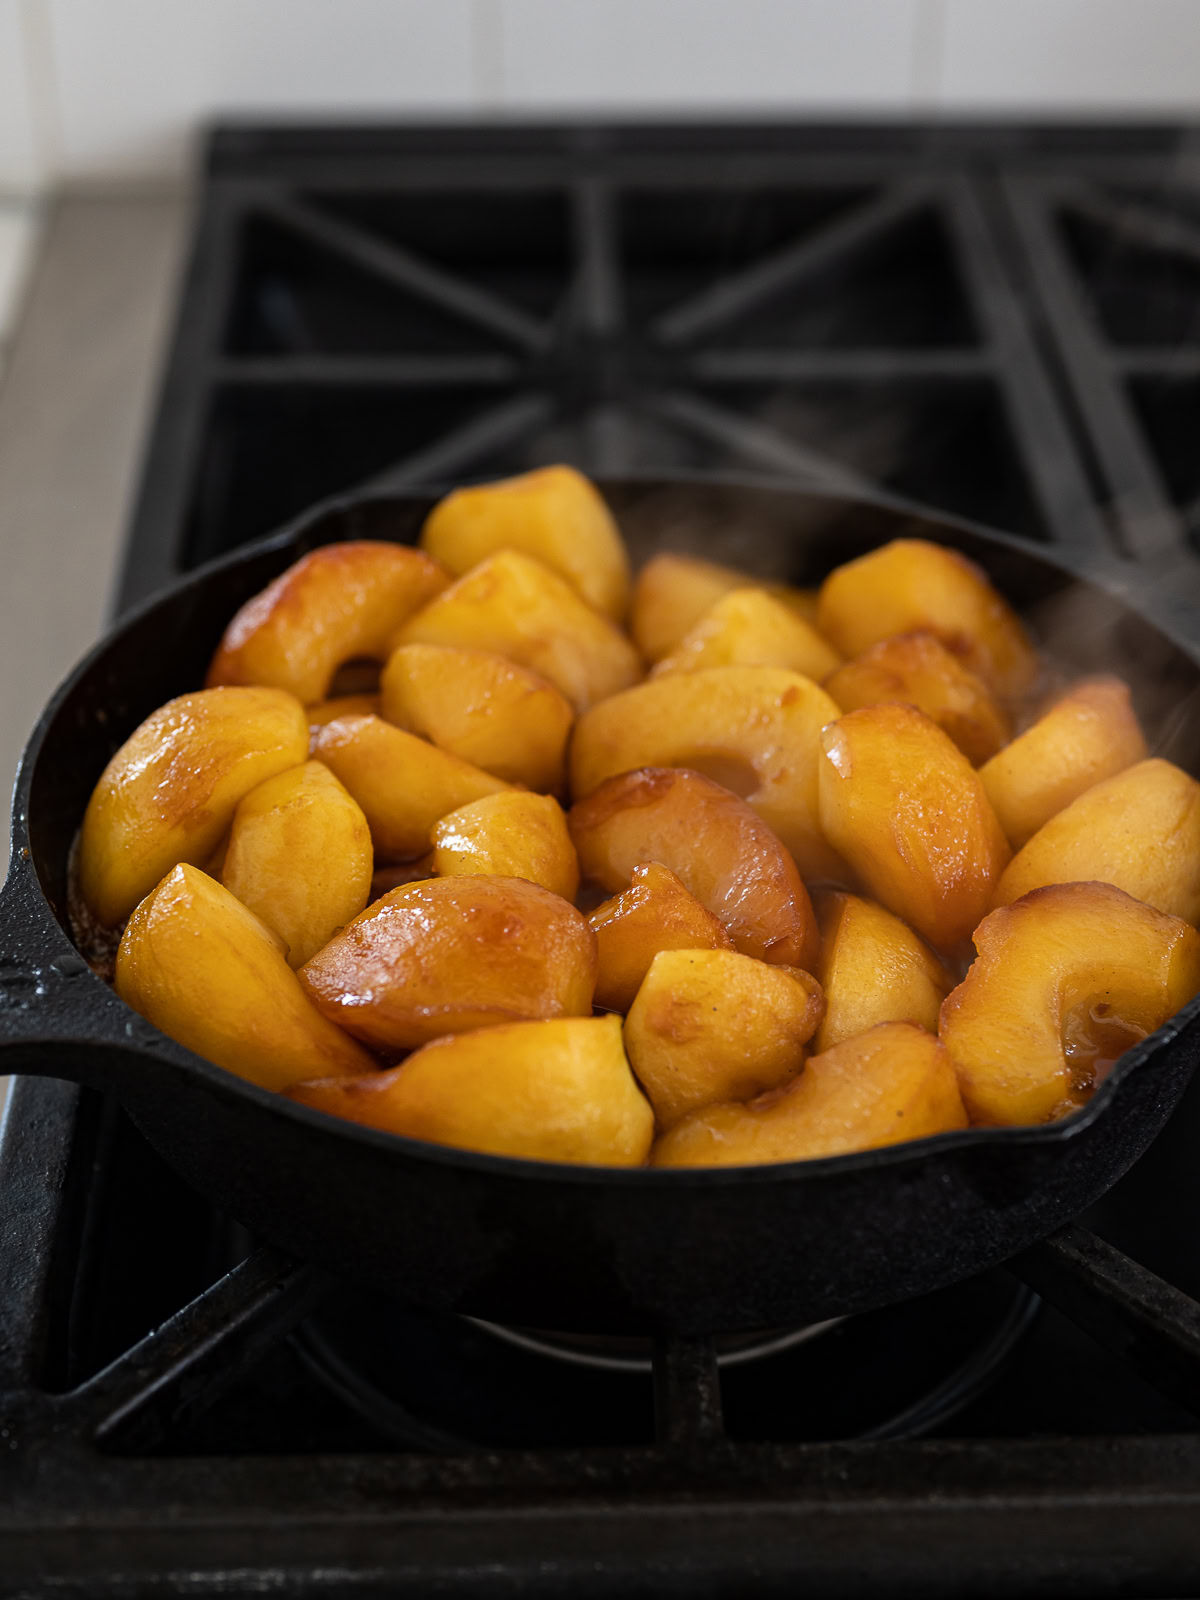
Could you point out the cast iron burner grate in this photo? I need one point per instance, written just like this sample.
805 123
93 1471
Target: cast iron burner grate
426 309
121 1479
995 322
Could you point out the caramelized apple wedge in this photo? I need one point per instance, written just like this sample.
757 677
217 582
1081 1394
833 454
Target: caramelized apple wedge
482 708
403 784
880 1088
206 972
873 969
718 848
553 514
756 730
670 595
341 705
710 1025
512 835
904 806
335 604
751 628
169 793
673 591
1067 979
1090 734
917 670
540 1091
802 602
451 954
1139 830
514 606
655 913
300 857
911 586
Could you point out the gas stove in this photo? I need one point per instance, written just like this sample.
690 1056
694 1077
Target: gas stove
999 324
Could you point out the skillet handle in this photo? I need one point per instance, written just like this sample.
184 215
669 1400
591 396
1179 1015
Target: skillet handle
57 1018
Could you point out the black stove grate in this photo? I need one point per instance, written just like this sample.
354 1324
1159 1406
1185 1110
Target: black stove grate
97 1501
1113 254
422 312
997 323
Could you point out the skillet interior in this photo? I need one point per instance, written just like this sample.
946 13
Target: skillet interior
581 1247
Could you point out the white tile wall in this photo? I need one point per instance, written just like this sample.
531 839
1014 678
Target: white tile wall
112 89
135 75
1093 55
731 54
20 166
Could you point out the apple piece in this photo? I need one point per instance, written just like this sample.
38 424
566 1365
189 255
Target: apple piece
335 604
712 1025
801 601
403 784
655 913
1090 734
540 1091
300 857
670 595
1067 979
751 628
718 848
673 591
452 954
891 1084
341 705
911 586
907 810
872 969
512 835
482 708
206 972
514 606
918 670
755 730
1139 830
554 514
168 794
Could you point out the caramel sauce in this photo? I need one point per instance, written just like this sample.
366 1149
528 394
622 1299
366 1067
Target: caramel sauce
96 943
1095 1037
359 676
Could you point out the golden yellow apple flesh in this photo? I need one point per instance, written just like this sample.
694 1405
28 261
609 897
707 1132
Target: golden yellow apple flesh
169 793
540 1091
1067 979
710 1025
655 913
206 972
300 857
513 835
450 954
553 514
720 850
894 1083
755 730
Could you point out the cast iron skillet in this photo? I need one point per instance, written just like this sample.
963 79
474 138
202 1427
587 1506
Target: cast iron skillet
556 1246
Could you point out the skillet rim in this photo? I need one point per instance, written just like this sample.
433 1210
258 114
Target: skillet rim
148 1041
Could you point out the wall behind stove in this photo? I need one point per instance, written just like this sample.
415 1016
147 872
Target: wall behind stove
102 90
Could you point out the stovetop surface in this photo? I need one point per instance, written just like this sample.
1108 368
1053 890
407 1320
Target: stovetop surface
1001 324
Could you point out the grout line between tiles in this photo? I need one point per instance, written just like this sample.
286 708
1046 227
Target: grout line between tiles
45 100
